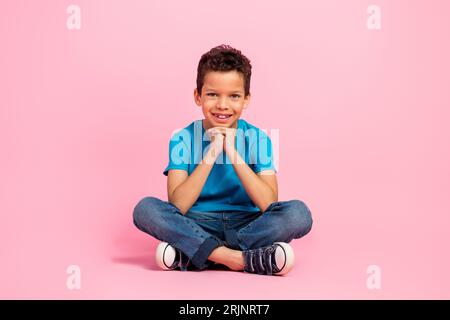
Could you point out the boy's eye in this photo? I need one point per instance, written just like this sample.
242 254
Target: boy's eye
213 94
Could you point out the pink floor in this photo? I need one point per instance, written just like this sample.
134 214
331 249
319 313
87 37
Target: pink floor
119 264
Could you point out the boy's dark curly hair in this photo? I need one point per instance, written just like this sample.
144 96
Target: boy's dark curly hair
224 58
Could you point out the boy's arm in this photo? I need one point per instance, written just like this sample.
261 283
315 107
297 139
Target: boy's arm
262 188
184 190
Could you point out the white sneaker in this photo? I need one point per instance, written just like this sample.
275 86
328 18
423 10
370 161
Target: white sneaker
169 258
277 259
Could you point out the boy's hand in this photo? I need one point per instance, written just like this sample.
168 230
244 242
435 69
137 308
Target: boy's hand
217 140
230 136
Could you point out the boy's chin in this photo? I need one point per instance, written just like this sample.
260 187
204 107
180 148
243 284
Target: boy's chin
225 125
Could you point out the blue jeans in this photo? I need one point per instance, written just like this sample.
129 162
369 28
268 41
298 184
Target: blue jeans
197 234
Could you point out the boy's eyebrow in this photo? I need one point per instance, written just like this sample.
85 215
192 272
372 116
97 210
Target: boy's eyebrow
210 89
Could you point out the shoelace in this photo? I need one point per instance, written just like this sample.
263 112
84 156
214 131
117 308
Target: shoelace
183 261
260 260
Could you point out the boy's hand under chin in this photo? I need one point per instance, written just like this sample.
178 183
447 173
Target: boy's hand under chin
229 134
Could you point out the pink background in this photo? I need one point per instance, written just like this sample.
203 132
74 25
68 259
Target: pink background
86 116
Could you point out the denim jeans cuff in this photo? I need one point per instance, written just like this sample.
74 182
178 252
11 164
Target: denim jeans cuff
201 256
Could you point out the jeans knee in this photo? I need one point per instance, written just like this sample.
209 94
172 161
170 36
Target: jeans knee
141 210
300 217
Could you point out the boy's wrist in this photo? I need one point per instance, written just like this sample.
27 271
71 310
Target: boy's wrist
211 155
234 155
230 150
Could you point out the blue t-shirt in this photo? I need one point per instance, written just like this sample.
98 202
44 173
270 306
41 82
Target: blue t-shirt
223 191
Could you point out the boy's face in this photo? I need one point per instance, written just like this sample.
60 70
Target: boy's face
222 95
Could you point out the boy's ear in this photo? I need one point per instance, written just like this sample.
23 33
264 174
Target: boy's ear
197 98
246 101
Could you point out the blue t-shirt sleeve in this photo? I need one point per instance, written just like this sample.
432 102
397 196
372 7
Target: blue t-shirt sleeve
179 152
261 153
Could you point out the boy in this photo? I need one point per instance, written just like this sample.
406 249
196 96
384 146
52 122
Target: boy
223 203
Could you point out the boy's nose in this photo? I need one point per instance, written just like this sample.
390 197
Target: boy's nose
222 105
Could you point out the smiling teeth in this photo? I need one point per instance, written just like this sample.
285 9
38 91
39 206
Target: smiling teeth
221 116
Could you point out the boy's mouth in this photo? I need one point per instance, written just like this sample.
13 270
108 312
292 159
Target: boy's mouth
221 117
